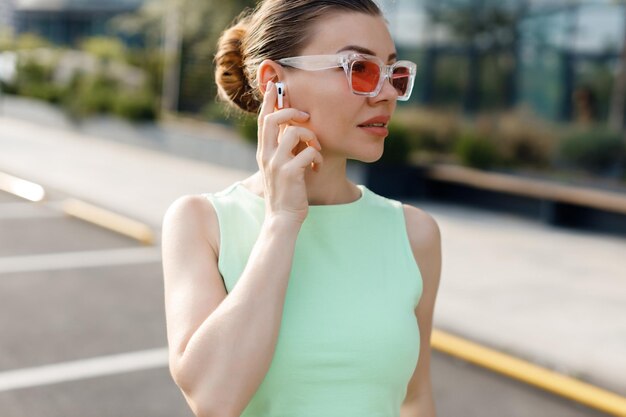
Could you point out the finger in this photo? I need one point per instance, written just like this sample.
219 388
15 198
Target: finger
304 137
305 158
269 99
271 128
267 107
293 141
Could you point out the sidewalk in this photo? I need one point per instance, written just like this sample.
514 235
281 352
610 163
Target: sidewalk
555 297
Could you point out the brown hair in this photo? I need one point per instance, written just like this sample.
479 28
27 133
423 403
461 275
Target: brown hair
274 29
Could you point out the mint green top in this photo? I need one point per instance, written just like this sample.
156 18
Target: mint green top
349 339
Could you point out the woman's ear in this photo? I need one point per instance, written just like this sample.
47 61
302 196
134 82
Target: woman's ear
268 71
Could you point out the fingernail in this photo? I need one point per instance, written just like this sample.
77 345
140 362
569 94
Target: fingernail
304 114
270 84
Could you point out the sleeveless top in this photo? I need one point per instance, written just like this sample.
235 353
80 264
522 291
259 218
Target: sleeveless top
349 339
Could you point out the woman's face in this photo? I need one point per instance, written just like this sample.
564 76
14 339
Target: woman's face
336 112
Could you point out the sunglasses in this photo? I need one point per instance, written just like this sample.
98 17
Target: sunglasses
365 73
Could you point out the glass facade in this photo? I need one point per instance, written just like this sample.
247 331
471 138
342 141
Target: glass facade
481 54
6 15
67 23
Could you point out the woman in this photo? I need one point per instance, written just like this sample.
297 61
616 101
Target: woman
296 293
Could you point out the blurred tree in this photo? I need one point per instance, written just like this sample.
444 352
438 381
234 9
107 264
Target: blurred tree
105 48
483 27
6 39
618 98
198 26
200 20
31 41
616 112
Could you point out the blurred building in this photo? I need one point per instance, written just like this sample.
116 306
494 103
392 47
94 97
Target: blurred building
558 57
6 14
67 21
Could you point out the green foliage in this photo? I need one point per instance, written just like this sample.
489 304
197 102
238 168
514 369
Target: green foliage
101 94
245 123
150 60
198 19
514 138
491 27
247 127
450 80
136 106
104 48
8 88
214 112
6 39
43 91
599 78
432 131
520 139
197 87
98 100
199 25
493 22
32 72
91 95
88 93
35 80
396 145
476 151
596 150
425 140
31 41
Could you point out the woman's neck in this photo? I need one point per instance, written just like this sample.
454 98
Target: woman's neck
324 187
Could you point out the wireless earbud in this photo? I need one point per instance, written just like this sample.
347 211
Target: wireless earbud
280 89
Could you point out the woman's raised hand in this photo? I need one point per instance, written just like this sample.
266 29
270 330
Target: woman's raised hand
282 169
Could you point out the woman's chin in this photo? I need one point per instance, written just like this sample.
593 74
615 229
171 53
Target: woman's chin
368 159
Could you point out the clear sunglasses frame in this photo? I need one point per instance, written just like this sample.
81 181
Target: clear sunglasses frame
322 62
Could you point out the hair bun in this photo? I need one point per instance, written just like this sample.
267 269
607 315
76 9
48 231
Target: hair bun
232 84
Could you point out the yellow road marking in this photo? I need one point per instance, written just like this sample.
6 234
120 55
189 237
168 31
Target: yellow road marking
109 220
565 386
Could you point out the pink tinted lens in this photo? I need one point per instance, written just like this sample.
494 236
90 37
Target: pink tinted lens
365 76
400 79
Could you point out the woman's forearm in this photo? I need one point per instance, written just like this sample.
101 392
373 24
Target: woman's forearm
229 355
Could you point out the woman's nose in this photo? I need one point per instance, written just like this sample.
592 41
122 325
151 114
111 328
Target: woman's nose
387 91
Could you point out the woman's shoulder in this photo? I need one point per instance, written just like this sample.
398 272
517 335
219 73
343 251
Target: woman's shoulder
195 206
425 239
422 228
195 213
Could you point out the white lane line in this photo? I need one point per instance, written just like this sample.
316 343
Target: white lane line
26 211
80 259
83 369
21 188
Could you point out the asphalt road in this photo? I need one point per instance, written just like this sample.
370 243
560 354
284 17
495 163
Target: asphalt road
83 330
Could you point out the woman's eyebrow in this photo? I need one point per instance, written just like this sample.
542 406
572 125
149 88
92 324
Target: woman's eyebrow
363 50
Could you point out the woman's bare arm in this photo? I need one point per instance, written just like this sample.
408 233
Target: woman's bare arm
425 237
221 347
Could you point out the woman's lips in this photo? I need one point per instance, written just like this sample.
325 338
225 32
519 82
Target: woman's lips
378 131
